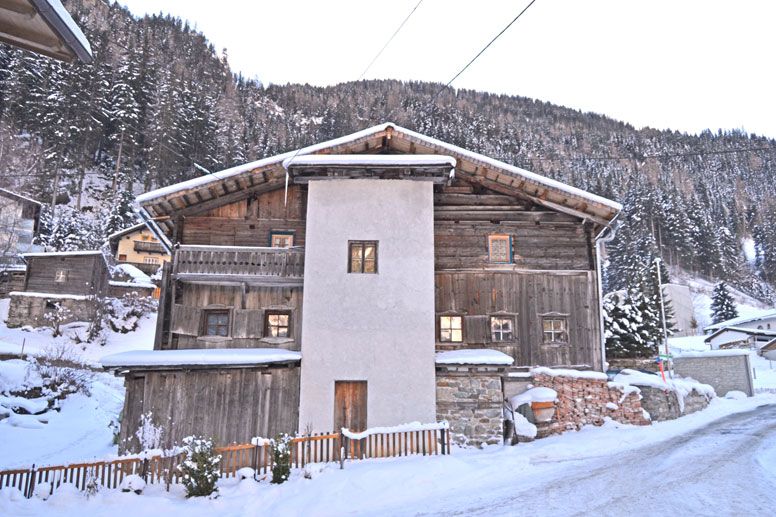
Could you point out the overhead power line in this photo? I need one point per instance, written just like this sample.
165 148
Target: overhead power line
389 40
497 36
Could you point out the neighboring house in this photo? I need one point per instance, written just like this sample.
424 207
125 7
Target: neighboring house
322 306
769 350
19 220
138 246
69 279
680 297
762 320
739 337
43 27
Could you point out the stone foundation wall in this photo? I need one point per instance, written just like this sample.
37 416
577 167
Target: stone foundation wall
471 400
583 401
664 404
633 364
30 310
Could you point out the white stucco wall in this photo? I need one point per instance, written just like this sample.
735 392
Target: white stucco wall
373 327
684 311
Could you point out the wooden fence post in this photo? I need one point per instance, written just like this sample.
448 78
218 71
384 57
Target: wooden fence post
444 442
30 488
342 449
144 470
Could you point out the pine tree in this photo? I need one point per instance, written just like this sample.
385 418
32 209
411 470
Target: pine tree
723 307
121 215
629 326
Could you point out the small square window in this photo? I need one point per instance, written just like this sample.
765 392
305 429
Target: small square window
277 324
362 257
60 276
500 249
451 329
501 328
555 329
281 239
216 323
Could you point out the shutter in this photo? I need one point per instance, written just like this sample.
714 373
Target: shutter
186 320
248 323
477 329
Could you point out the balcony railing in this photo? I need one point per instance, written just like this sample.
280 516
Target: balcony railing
226 264
149 247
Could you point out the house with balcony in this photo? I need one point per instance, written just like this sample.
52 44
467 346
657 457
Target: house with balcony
19 221
138 246
359 282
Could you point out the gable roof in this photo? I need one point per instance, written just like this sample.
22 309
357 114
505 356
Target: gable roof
126 231
205 192
742 330
760 315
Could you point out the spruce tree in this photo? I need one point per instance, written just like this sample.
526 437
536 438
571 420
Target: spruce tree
723 307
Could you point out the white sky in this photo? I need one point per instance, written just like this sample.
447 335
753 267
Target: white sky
680 64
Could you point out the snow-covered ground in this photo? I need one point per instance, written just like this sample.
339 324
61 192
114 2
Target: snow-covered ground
616 469
83 427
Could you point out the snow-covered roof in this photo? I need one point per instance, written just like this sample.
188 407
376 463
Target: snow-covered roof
19 196
757 316
138 285
65 27
200 357
61 253
714 353
59 296
362 160
132 272
743 330
474 356
125 231
157 205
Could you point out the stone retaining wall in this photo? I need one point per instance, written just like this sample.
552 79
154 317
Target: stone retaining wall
663 404
583 401
30 310
471 398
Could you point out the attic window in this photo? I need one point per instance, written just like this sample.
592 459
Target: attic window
278 239
362 257
60 276
500 249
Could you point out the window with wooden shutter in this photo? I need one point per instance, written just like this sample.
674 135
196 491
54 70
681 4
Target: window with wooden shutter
216 323
501 328
477 328
185 320
248 323
451 329
277 324
500 249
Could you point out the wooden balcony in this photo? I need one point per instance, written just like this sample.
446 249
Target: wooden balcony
149 247
235 265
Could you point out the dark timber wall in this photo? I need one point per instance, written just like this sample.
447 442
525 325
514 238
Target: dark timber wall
230 405
86 274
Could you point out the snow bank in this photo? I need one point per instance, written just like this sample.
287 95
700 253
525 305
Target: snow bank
474 356
540 394
523 427
31 406
576 374
401 428
203 357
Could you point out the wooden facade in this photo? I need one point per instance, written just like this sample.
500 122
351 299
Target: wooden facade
509 247
77 273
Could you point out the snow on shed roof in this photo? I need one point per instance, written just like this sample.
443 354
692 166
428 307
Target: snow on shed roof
125 231
543 190
743 330
201 357
19 196
61 253
759 315
474 356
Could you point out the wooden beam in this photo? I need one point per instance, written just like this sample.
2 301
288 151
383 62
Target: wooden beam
215 202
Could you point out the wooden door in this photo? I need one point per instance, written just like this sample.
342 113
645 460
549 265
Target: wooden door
350 405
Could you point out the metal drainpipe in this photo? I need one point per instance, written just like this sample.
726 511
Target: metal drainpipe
599 241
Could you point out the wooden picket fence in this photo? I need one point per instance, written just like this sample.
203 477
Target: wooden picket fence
316 448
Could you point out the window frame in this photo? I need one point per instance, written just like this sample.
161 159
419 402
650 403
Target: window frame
363 244
451 328
507 317
289 329
552 333
206 313
283 233
500 237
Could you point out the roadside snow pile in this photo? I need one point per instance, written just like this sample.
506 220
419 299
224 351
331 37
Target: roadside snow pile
401 428
523 427
474 356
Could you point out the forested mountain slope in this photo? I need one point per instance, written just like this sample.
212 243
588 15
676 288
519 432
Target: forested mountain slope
160 105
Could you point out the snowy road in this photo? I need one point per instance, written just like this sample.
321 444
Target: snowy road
722 469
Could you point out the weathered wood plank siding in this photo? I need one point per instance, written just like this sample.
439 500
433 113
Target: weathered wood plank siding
527 295
229 405
247 308
249 222
86 274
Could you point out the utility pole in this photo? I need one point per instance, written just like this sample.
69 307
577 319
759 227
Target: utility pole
658 260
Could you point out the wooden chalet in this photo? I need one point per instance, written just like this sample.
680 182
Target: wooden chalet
138 246
19 221
386 248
